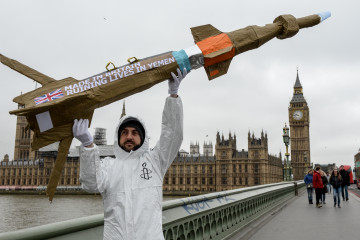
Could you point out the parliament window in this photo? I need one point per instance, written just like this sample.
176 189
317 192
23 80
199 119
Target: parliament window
173 180
256 168
224 180
223 168
181 180
195 181
188 180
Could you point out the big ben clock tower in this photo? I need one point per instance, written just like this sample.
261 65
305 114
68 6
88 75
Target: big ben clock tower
299 120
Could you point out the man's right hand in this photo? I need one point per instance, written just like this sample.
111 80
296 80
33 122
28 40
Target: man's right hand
81 132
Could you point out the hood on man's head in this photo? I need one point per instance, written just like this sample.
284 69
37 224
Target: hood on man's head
135 123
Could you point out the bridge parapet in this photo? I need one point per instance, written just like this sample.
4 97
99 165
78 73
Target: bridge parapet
210 216
221 215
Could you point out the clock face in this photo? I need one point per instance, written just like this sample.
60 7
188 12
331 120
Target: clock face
297 115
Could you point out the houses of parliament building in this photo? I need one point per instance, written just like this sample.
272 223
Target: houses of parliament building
190 172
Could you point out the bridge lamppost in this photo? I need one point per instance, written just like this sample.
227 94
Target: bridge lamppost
287 168
305 162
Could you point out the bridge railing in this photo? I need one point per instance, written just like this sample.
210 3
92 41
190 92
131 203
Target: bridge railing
217 215
221 215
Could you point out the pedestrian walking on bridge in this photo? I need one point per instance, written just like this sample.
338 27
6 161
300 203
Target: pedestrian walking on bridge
308 179
328 185
336 182
318 186
345 183
325 182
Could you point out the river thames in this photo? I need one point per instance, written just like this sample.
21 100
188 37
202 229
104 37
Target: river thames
24 211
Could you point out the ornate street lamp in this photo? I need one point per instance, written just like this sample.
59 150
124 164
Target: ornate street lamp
287 168
305 161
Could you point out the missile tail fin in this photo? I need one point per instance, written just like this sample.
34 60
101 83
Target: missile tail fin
25 70
218 69
202 32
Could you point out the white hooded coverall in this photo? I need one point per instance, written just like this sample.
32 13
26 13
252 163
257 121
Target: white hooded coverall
131 184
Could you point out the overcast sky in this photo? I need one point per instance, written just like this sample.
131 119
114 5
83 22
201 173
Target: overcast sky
78 38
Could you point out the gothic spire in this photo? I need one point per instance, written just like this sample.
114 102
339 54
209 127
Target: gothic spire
298 92
123 110
297 82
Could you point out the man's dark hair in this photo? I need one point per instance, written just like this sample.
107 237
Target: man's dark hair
317 168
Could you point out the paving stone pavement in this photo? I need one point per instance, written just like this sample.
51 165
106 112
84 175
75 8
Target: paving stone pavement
300 220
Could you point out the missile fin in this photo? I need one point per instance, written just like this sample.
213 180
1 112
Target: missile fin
218 69
25 70
202 32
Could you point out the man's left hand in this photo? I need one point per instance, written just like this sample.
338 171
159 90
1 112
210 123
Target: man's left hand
175 82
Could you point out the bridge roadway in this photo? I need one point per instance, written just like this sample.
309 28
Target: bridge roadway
297 219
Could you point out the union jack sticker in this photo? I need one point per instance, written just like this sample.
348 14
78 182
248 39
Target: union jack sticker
49 96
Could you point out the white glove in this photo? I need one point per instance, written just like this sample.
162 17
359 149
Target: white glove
175 82
81 132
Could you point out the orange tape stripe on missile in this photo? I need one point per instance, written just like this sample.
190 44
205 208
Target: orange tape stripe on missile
213 44
213 73
220 58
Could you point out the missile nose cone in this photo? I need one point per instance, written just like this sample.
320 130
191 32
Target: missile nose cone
324 15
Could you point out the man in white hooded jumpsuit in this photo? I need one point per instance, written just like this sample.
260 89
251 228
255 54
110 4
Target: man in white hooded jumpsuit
131 184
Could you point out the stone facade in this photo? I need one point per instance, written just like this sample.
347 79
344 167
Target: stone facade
227 169
190 172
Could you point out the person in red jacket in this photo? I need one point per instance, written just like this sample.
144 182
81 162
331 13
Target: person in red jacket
318 186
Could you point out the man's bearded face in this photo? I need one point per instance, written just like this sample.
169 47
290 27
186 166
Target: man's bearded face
129 138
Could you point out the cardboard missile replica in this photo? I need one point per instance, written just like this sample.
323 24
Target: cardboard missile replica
52 108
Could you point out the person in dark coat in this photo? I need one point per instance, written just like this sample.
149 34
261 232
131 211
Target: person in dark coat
318 186
336 182
345 183
308 179
325 182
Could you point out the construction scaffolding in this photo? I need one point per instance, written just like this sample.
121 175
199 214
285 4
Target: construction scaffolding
100 136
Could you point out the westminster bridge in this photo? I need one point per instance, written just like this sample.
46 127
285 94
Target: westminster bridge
271 211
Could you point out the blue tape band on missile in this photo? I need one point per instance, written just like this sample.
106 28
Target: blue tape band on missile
182 60
62 101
